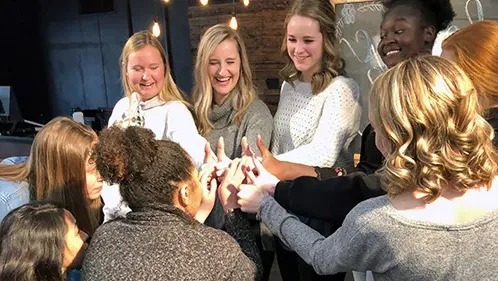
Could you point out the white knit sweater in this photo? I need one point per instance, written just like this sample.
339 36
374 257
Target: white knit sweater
313 129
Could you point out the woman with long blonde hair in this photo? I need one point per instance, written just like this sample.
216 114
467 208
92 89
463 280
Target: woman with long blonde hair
153 101
60 169
225 100
439 216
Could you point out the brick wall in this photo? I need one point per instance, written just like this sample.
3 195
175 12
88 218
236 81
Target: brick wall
261 26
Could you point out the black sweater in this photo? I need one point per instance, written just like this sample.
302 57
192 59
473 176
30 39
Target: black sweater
331 199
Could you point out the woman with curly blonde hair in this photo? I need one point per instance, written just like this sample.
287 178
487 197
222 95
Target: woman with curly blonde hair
439 217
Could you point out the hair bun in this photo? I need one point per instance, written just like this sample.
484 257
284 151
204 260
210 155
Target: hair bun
123 154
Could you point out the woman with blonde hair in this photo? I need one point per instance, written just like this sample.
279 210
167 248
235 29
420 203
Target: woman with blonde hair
227 105
225 100
439 176
475 49
153 101
59 169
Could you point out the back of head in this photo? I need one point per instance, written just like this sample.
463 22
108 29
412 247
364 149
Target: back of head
332 65
475 49
56 169
427 110
136 42
437 13
147 170
32 243
203 91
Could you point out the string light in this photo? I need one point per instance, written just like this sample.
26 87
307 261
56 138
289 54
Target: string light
233 22
155 28
246 3
204 2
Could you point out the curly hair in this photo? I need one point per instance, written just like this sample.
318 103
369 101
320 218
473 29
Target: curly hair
478 58
32 243
438 13
147 170
332 63
427 110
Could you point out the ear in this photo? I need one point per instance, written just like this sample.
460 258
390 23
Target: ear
184 195
429 35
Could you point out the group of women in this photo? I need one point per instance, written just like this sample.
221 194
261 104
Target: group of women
179 178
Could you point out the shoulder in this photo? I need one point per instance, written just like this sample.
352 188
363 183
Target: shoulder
15 160
258 107
122 104
343 87
175 107
371 213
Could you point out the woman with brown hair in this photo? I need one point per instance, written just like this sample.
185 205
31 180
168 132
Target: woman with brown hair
60 169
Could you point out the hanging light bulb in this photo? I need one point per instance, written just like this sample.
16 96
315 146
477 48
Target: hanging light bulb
204 2
246 3
233 22
166 1
155 29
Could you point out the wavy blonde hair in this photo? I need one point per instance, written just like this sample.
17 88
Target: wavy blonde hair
332 64
56 169
478 58
428 111
138 41
244 92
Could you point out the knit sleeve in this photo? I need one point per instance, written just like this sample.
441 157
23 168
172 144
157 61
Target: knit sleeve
180 128
352 247
259 122
340 119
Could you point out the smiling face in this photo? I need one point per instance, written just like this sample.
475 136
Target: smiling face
224 69
145 72
403 36
305 45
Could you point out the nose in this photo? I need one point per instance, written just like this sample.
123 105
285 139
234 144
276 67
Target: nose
223 70
299 48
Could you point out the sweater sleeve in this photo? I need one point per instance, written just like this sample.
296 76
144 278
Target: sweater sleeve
260 122
238 227
180 128
330 199
352 246
339 119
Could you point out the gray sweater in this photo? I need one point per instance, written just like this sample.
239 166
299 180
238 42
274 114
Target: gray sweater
162 245
376 237
257 120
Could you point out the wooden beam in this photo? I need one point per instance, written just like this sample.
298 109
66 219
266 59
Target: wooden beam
347 1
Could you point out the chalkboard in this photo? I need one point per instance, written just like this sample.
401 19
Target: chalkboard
358 28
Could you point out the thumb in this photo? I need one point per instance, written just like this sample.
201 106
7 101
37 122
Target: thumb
207 152
213 187
262 148
221 149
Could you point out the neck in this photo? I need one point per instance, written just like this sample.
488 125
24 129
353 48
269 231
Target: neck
220 99
307 76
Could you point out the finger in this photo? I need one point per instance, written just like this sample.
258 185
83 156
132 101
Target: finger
213 186
251 178
261 146
246 149
207 152
221 149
